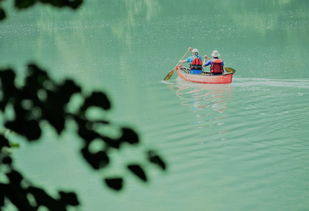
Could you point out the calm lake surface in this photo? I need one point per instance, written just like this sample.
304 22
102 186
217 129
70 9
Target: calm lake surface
242 146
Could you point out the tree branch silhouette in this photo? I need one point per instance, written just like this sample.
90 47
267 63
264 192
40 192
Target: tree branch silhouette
26 4
42 99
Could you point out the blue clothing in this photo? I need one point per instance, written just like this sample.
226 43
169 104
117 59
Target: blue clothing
190 59
210 63
196 71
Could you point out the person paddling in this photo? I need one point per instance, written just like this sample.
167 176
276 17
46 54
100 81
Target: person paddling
196 63
216 64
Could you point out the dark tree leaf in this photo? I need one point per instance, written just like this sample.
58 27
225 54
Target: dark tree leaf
156 159
115 183
56 119
96 99
2 186
17 196
73 4
36 78
111 142
42 198
15 177
67 89
138 171
96 160
2 14
23 4
69 198
129 136
7 77
3 142
8 88
85 133
32 130
7 160
28 128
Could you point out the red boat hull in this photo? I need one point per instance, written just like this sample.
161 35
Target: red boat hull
205 78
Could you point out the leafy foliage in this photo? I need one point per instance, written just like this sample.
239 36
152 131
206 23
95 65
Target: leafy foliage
25 4
42 99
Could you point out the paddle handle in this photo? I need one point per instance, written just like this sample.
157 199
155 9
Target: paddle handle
169 75
189 49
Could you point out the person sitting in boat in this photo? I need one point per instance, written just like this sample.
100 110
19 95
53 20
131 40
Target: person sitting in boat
216 64
196 62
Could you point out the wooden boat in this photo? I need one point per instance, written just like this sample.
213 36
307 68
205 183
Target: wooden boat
204 77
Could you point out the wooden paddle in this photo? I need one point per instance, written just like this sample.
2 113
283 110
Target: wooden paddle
229 70
169 75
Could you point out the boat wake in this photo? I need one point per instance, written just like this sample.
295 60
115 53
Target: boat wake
249 82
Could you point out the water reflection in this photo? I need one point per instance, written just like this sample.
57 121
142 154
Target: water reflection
203 97
207 102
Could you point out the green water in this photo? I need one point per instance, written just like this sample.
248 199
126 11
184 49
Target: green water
242 146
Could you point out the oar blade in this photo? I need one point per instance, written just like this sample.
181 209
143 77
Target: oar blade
229 70
169 75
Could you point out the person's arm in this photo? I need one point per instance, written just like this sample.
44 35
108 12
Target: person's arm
185 60
207 63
